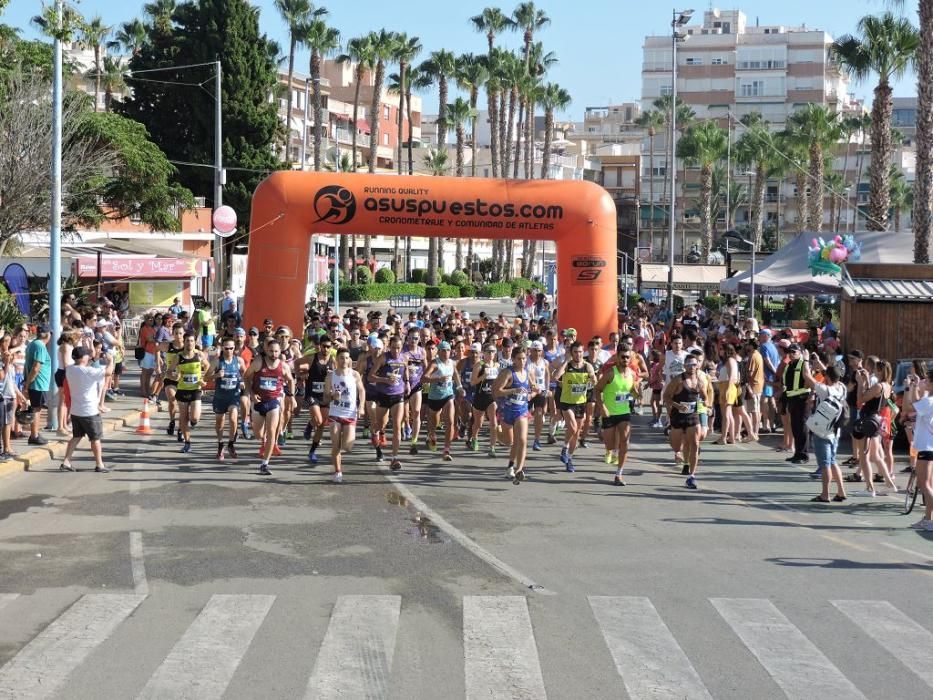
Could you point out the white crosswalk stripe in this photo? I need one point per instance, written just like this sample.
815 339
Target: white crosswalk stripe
355 658
899 634
647 656
500 655
43 665
792 660
204 660
7 598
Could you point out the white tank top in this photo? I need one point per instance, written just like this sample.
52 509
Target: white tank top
345 406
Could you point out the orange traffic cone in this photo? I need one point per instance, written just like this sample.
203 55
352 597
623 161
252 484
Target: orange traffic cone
144 427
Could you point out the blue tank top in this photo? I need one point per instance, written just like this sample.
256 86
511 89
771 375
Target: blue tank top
518 403
443 389
228 377
466 375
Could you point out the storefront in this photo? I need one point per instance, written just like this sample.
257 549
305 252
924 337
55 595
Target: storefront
148 281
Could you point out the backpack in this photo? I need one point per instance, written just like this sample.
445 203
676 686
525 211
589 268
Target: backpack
827 417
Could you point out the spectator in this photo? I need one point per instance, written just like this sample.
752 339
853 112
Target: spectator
84 384
38 379
176 308
228 303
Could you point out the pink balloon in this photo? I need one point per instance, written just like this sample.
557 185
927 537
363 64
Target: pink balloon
838 255
224 219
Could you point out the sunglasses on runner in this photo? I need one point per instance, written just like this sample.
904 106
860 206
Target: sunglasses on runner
229 347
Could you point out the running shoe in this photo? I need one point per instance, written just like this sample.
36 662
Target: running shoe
289 435
447 457
101 469
570 468
618 480
491 452
264 470
179 436
406 433
382 438
474 445
312 457
220 453
379 457
907 470
374 439
865 493
461 432
519 477
231 448
432 444
276 451
510 473
66 467
186 447
685 470
919 525
536 446
395 466
306 433
563 456
551 440
691 482
608 458
281 440
928 526
583 444
337 478
170 430
414 448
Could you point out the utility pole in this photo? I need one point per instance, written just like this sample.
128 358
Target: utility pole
219 269
728 164
55 227
678 20
304 127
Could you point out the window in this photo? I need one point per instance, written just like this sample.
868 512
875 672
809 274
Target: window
694 61
666 90
718 62
485 172
753 88
385 111
385 139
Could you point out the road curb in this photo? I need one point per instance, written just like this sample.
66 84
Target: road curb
37 456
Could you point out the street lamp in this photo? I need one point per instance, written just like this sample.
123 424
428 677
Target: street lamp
735 235
678 20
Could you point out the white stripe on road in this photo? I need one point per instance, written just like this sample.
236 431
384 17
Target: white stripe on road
355 658
500 655
41 668
6 598
647 656
796 665
204 660
907 641
135 512
140 584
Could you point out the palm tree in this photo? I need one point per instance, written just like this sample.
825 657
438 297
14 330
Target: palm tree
112 80
94 36
359 52
704 144
492 22
296 14
341 164
382 45
323 41
528 19
437 161
901 195
130 37
796 153
459 113
835 184
417 80
863 125
471 76
47 22
817 127
405 50
887 47
513 73
651 120
553 98
441 65
756 148
685 117
923 185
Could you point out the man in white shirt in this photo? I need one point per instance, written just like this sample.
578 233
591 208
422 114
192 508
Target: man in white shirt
674 358
84 386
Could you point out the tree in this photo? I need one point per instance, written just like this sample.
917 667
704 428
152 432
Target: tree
103 155
528 19
757 149
437 161
341 164
323 41
796 153
817 128
921 218
901 195
704 144
94 35
130 37
297 15
651 120
405 50
541 60
382 43
420 81
111 80
553 98
66 27
512 74
888 46
737 197
441 65
471 76
685 116
458 113
492 22
181 119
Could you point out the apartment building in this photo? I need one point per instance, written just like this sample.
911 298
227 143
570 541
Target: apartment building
728 68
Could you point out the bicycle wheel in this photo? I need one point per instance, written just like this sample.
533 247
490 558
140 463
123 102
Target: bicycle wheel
910 494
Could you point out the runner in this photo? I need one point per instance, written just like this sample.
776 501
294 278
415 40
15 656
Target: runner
345 390
484 404
227 373
464 403
554 355
613 394
921 397
172 350
540 376
415 356
574 376
515 388
375 348
270 380
318 367
443 379
191 368
680 398
390 375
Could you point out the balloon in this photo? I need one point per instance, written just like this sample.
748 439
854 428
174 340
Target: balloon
855 253
814 243
838 255
224 219
824 254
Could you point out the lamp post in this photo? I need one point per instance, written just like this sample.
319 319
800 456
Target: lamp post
55 227
678 20
751 291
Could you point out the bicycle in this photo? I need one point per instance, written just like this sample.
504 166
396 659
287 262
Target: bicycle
911 493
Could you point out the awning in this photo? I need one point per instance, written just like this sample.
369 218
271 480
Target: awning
129 267
889 290
686 277
362 125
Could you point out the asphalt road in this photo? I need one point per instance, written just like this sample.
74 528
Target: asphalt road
176 576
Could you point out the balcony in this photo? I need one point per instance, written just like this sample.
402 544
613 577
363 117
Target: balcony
761 65
773 198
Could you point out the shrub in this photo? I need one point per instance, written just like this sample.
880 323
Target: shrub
442 291
712 302
495 289
468 290
524 283
375 292
418 275
384 275
363 275
801 309
459 278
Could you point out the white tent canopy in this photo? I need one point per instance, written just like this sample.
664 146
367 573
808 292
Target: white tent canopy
787 271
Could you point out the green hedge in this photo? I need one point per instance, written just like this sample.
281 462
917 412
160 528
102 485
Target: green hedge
418 276
468 290
363 275
384 275
495 289
459 278
524 283
714 303
442 291
376 292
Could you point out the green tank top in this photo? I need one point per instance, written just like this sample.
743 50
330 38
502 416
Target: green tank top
618 392
189 373
574 383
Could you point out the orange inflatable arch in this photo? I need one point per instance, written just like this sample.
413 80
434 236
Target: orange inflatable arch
289 207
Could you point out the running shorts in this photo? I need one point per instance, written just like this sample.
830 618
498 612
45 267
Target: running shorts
224 402
577 408
437 404
482 402
188 395
610 422
389 400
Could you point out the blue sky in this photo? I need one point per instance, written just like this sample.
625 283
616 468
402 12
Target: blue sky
598 42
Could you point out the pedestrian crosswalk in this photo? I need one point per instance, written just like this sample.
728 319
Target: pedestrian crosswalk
501 652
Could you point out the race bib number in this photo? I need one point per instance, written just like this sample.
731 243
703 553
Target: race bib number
689 407
467 377
268 384
229 383
317 387
519 399
191 379
622 397
677 367
342 404
492 372
578 389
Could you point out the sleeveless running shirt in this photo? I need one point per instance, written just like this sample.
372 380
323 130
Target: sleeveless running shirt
574 383
228 377
443 389
346 405
189 373
269 382
618 392
393 367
